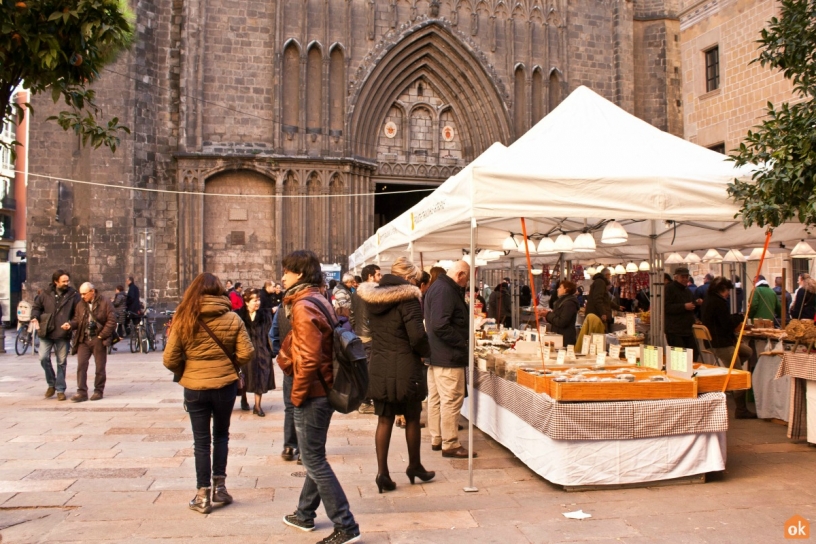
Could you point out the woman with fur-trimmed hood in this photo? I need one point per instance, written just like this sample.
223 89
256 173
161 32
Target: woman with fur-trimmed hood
396 372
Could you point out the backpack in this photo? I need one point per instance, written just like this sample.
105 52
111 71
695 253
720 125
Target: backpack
349 367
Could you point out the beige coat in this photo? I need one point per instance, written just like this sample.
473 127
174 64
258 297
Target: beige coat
207 366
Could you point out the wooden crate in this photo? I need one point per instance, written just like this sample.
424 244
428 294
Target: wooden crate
675 388
544 384
740 380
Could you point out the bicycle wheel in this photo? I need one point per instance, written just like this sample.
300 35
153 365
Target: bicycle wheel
134 341
145 344
21 342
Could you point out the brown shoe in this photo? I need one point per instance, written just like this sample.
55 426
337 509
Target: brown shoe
49 392
97 395
60 396
459 453
436 447
79 397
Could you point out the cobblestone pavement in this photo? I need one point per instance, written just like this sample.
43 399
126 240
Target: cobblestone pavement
121 470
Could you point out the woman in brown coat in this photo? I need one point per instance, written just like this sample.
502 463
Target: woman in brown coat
209 378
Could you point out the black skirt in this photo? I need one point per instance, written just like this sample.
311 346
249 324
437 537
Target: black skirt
410 409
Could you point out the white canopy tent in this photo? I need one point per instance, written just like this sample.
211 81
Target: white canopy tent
584 164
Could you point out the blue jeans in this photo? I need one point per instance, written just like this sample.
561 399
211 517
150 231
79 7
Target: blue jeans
312 419
203 406
289 434
60 348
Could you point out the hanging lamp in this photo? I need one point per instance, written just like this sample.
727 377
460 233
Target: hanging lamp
614 233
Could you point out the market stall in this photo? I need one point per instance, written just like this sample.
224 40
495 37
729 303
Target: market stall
591 171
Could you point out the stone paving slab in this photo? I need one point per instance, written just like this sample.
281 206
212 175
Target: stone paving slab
121 470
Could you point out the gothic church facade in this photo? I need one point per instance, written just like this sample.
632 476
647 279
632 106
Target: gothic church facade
263 126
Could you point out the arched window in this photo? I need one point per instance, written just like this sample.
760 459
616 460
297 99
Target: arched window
291 214
314 96
538 95
337 218
291 91
520 101
555 90
337 95
314 211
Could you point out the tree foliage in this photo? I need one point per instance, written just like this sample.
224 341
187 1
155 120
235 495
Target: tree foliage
60 46
784 145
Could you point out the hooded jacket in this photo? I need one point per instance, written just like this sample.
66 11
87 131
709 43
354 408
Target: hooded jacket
307 349
562 318
204 364
399 340
500 305
53 309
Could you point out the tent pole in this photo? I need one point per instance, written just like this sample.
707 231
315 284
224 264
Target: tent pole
472 349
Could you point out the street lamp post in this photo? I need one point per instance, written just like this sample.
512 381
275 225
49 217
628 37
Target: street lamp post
145 247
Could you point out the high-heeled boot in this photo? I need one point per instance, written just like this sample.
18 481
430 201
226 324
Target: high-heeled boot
385 483
220 494
201 502
421 473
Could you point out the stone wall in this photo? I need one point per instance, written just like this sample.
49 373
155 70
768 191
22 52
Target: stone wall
292 97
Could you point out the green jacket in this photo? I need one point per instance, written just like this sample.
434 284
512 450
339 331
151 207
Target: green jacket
764 305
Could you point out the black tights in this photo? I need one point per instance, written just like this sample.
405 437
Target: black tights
413 436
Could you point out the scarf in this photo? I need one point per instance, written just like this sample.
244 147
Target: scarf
292 291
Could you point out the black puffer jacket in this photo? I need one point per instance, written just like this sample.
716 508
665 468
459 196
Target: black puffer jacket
562 318
399 341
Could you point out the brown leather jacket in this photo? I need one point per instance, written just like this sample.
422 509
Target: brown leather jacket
102 314
308 349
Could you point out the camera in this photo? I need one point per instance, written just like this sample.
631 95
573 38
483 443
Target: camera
93 328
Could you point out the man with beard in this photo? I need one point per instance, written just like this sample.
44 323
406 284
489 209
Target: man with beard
51 313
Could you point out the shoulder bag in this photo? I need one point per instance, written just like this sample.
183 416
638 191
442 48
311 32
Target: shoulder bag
230 356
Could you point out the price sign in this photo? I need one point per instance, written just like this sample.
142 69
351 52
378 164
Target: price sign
632 355
630 324
546 353
593 350
600 342
614 351
600 360
585 346
651 357
679 362
562 354
570 353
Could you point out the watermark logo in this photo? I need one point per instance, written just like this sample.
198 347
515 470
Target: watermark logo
797 527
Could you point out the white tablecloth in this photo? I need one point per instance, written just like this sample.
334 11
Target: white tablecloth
598 462
772 395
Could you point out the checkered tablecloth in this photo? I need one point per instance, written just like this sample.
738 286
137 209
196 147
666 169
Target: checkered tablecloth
622 420
801 367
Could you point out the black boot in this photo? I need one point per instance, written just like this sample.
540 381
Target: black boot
201 502
220 494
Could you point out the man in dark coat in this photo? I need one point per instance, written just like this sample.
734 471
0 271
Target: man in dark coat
94 322
599 302
679 311
360 322
133 305
52 312
500 307
447 320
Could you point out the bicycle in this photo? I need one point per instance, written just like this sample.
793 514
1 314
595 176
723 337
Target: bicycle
162 340
139 340
26 336
150 329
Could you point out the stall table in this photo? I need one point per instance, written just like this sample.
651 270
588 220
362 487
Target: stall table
801 368
602 443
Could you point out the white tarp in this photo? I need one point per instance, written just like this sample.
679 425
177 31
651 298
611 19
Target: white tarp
586 162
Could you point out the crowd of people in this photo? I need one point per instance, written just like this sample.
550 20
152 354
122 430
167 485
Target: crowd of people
413 326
